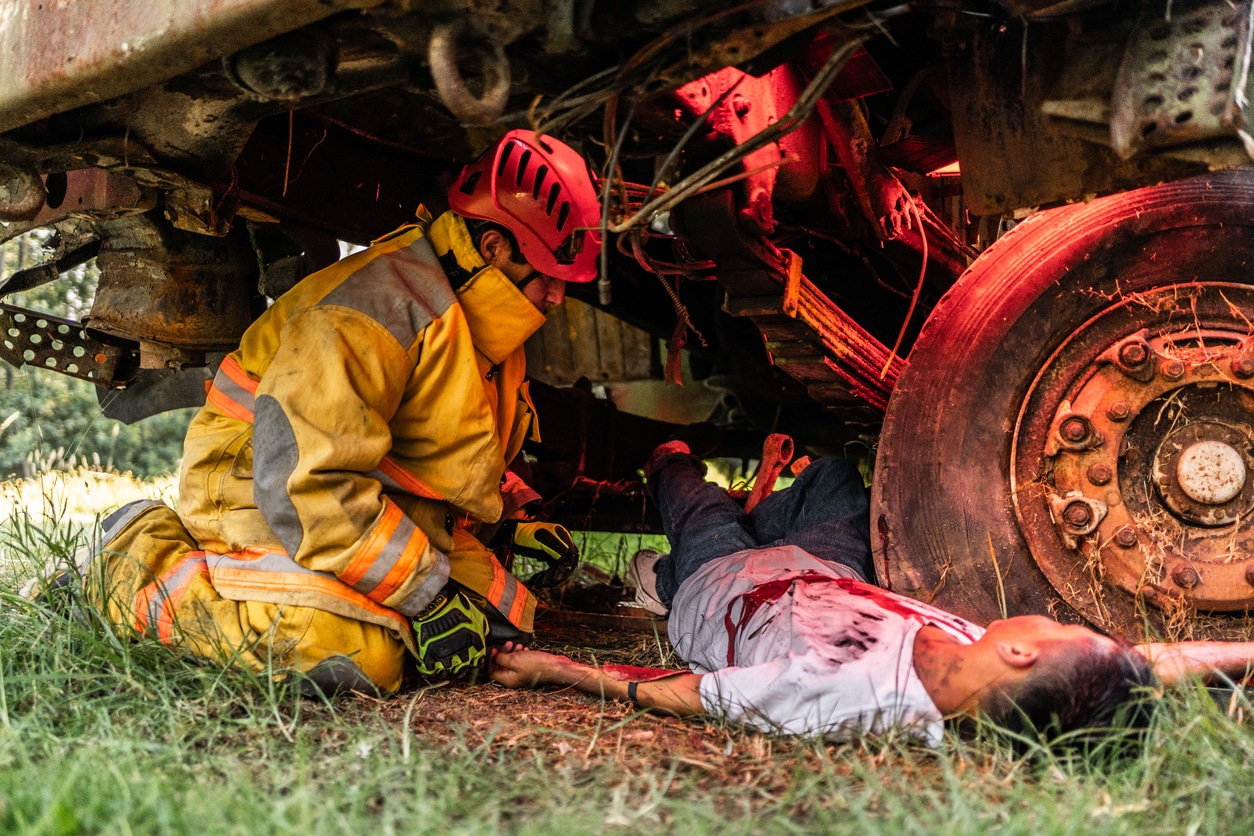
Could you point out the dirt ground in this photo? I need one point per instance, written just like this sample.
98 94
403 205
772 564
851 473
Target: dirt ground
564 726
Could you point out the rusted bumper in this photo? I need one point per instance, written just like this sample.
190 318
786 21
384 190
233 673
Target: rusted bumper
56 55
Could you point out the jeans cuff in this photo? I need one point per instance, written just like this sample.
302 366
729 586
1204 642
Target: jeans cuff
653 478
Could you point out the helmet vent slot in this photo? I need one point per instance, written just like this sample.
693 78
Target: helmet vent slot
523 162
562 215
554 191
541 173
506 153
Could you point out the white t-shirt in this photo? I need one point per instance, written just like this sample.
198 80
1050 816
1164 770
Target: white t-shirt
793 644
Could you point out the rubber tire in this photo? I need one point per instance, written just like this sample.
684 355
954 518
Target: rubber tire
941 504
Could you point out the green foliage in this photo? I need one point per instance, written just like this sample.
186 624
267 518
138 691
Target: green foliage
51 421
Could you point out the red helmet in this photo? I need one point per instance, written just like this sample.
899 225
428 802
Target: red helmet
540 190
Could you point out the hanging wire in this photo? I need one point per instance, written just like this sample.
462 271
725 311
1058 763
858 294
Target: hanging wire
796 115
611 176
651 264
568 109
918 290
665 168
579 107
683 320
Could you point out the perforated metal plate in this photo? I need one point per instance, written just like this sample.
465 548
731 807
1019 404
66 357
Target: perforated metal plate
1183 78
36 339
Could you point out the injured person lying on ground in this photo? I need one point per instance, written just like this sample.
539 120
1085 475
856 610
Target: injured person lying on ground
775 616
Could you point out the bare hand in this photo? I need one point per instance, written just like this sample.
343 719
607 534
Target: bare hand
514 666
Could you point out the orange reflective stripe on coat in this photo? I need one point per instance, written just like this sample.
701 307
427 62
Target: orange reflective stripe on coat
391 554
504 593
233 392
396 478
156 603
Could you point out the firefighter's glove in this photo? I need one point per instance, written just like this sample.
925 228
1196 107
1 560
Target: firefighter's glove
452 635
547 542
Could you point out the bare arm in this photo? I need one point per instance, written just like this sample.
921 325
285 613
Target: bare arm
673 693
1177 661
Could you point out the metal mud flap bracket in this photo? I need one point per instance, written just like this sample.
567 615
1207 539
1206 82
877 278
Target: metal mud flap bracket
62 345
1184 77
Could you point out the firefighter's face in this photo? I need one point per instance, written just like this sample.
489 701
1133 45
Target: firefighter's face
544 291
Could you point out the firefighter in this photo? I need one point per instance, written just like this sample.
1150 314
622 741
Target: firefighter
340 482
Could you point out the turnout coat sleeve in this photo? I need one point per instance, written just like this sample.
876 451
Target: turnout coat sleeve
367 393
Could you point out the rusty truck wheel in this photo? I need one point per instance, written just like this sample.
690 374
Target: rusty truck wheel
1074 434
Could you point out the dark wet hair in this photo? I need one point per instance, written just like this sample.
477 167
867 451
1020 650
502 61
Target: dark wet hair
1078 686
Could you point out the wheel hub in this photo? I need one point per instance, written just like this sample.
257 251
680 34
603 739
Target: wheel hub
1200 471
1140 478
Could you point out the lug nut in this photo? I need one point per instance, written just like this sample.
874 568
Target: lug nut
1074 430
1133 354
1186 577
1173 369
1077 514
1126 537
1243 366
1119 411
1100 473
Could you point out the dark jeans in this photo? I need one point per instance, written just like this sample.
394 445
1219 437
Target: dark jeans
825 512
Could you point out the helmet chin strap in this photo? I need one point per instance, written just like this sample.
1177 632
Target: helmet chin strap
528 279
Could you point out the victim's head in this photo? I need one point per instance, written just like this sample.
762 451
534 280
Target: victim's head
1054 678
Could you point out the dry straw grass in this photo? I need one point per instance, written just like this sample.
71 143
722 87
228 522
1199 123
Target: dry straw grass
78 496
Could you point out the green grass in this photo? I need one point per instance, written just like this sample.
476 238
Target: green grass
99 735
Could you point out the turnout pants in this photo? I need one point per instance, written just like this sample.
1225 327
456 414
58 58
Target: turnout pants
152 579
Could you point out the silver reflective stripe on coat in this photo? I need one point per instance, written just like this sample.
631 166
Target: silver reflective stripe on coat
112 525
426 592
388 556
403 291
505 602
227 386
272 562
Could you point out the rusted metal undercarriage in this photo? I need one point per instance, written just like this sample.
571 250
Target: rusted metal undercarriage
785 219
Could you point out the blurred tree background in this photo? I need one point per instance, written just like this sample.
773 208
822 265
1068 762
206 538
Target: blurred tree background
50 421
